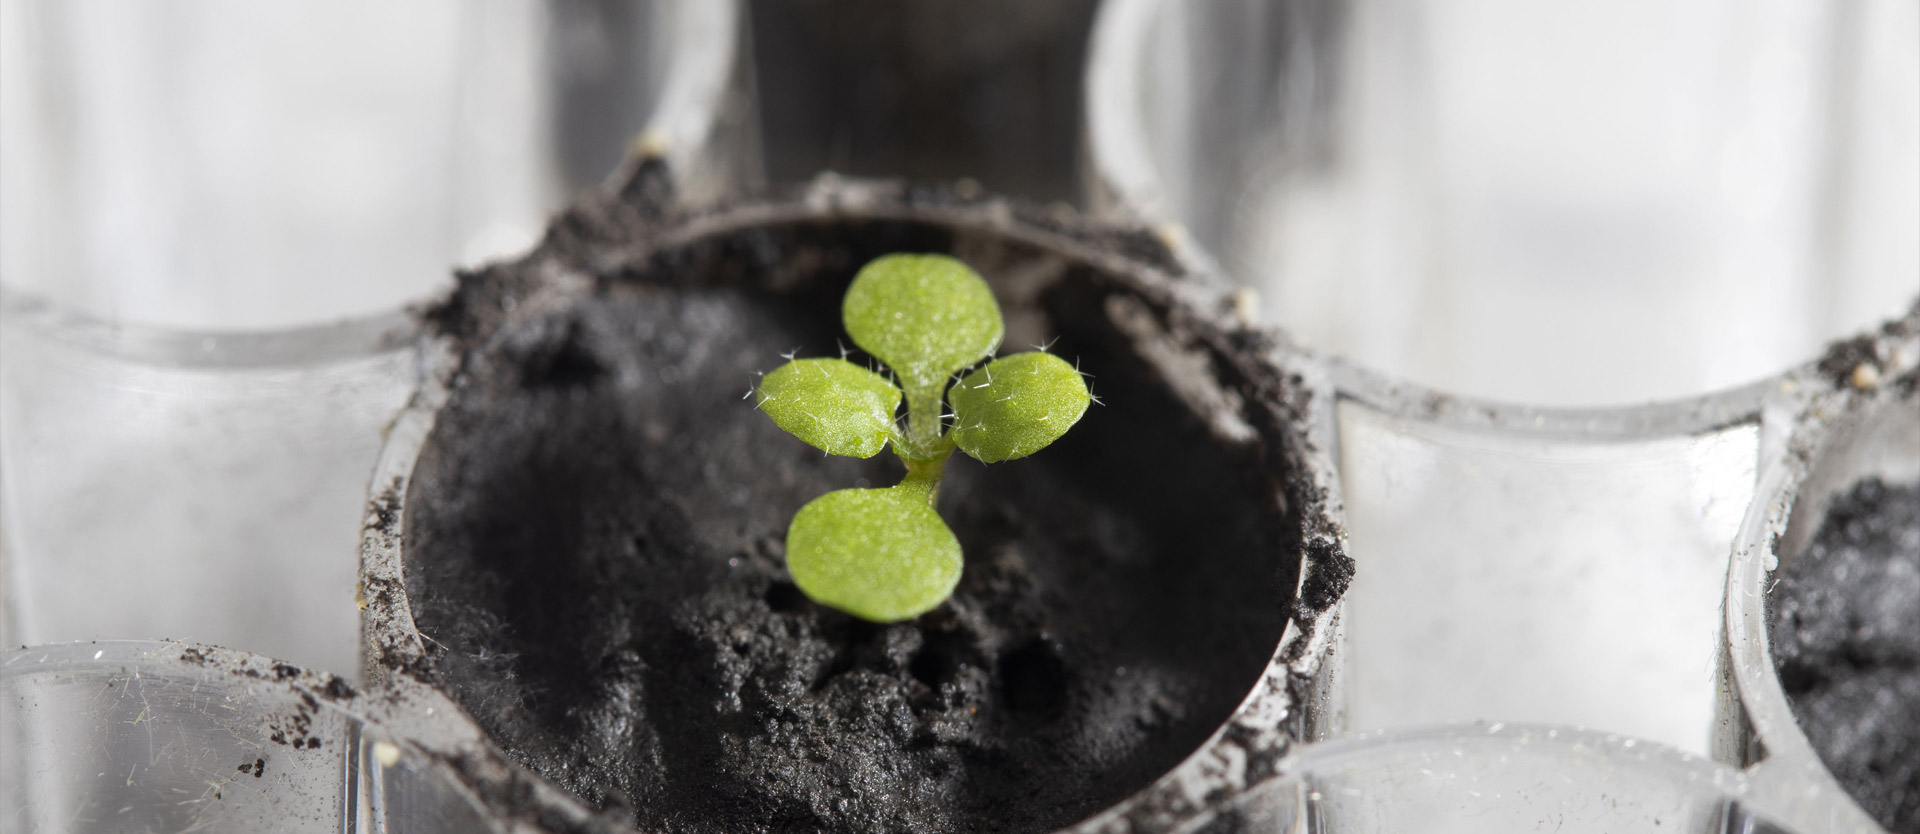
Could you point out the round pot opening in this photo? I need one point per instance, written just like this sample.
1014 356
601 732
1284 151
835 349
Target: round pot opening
593 538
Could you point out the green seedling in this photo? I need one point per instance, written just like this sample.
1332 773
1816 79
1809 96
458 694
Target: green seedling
884 554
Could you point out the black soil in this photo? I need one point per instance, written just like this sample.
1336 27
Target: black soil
1846 643
594 542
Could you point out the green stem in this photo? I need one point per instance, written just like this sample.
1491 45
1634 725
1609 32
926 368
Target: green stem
923 476
927 447
923 420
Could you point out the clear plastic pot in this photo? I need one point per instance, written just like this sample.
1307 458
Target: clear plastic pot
191 486
216 211
1502 227
151 736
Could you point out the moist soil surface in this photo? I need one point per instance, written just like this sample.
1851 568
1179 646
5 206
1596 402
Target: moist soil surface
1846 643
594 546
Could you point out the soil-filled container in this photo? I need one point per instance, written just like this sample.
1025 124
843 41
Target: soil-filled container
1464 197
1823 600
578 530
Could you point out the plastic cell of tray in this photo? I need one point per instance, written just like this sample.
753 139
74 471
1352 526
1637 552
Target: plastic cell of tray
1835 440
151 736
1520 560
191 486
1500 778
1593 204
1504 228
216 212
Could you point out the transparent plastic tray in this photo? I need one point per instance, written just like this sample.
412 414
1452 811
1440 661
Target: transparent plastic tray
1559 281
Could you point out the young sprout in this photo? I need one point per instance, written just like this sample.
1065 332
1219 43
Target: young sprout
884 554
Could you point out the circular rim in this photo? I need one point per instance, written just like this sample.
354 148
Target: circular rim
209 349
1290 691
1799 807
1365 748
434 736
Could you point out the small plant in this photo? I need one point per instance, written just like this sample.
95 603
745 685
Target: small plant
884 554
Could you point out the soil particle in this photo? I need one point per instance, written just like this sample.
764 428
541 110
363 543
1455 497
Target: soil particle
595 532
1861 362
1846 643
338 688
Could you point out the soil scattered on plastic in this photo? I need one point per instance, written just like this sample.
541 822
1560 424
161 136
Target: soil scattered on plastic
594 546
1846 641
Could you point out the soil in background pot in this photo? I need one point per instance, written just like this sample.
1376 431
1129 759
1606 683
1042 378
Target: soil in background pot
1846 643
594 545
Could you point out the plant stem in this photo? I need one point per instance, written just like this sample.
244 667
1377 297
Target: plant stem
923 476
927 448
923 419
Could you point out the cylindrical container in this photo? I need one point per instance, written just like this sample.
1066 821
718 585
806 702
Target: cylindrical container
1512 779
1506 225
558 579
196 486
1817 636
153 736
215 211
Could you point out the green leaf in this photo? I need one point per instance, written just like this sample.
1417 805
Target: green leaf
878 554
1016 405
837 406
926 316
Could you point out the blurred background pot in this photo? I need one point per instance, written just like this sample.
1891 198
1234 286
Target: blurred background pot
159 736
214 213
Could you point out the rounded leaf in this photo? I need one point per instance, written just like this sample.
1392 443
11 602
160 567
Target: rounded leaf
926 316
839 407
878 554
1016 405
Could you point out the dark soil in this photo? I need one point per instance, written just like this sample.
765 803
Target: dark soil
1846 642
594 544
